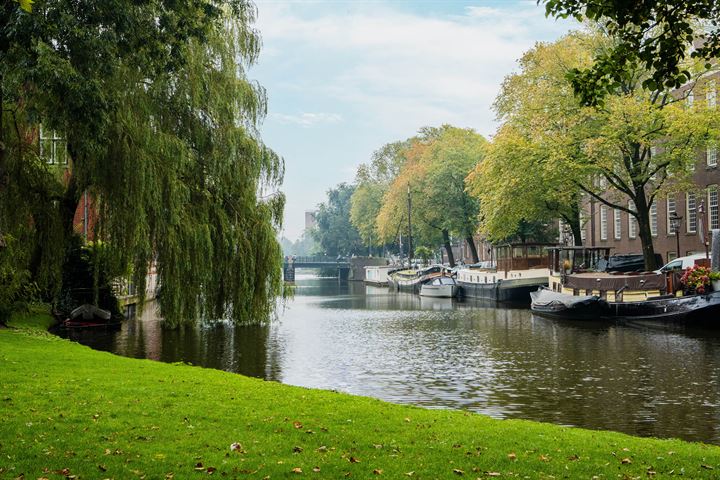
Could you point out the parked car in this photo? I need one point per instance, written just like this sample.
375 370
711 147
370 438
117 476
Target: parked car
625 262
680 263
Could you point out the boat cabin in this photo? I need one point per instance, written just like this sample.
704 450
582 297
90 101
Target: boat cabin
581 271
522 256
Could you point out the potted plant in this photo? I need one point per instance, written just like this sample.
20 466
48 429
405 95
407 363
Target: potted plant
715 280
696 280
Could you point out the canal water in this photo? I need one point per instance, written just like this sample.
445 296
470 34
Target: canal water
440 353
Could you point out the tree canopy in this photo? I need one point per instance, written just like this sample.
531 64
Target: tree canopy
160 123
626 153
433 174
333 231
654 35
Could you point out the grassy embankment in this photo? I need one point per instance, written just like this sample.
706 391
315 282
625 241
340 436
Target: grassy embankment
68 411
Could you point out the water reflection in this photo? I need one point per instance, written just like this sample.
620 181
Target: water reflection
441 353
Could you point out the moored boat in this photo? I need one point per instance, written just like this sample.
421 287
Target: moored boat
578 291
442 287
519 270
411 280
91 316
378 275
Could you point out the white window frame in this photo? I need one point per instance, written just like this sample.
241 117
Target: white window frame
713 218
690 212
690 99
603 222
617 223
711 155
711 93
632 221
55 142
671 207
653 219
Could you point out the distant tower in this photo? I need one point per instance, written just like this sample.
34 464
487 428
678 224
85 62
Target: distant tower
309 220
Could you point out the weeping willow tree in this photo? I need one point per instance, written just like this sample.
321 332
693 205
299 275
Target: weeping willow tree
161 126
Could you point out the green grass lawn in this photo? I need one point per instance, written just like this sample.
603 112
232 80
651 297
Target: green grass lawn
67 411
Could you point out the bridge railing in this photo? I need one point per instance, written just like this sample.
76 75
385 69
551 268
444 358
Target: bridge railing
316 259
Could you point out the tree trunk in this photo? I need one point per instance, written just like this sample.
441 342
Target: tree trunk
473 249
448 248
646 240
574 222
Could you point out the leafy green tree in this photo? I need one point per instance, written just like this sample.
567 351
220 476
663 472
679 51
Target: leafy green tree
651 35
334 232
161 126
373 180
626 153
433 175
520 181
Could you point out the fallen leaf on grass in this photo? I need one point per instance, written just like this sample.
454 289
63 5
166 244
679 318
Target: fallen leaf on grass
316 469
199 467
409 474
626 461
572 458
707 467
457 471
102 468
377 471
297 449
297 425
296 470
512 456
493 474
354 460
236 447
322 449
211 470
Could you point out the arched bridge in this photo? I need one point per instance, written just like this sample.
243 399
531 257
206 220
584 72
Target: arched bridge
342 264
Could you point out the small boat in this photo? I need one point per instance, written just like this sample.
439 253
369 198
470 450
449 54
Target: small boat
91 316
443 287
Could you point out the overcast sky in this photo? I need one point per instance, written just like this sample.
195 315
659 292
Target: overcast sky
345 77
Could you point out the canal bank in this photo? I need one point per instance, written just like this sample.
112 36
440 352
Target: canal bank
439 353
69 410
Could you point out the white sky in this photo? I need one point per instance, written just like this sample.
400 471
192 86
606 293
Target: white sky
345 77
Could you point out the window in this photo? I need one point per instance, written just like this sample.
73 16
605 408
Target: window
691 213
711 94
52 148
671 209
690 99
713 207
618 224
712 156
583 224
653 220
603 222
632 221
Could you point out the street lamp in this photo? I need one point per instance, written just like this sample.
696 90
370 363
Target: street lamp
675 225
